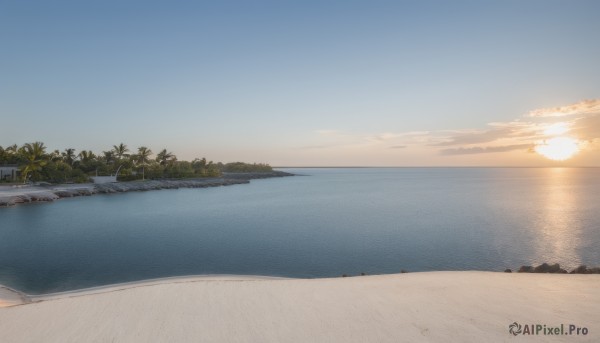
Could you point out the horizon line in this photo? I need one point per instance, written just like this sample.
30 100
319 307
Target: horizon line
365 167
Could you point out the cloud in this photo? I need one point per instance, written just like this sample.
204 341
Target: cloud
382 137
519 134
587 128
476 137
499 130
583 107
485 150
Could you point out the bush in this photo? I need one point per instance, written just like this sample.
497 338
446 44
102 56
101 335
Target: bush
241 167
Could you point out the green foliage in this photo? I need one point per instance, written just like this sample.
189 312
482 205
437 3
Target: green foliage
35 158
57 166
241 167
57 172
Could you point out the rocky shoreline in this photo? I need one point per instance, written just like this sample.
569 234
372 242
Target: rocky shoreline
556 269
10 196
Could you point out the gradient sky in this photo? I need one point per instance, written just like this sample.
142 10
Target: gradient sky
297 83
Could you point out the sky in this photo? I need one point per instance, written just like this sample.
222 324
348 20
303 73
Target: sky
307 83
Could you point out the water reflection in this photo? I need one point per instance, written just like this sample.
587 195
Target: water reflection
558 226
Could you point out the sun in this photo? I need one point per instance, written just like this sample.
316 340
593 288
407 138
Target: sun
558 148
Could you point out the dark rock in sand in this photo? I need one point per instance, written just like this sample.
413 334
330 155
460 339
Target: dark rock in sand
546 268
525 269
507 270
580 270
542 268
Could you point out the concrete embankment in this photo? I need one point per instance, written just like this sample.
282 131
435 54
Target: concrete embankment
10 195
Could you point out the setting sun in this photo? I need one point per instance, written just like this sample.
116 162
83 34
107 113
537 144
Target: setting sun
558 148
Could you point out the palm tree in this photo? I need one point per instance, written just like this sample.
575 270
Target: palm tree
13 148
120 150
109 156
55 156
9 154
34 155
69 156
165 157
86 156
142 158
87 161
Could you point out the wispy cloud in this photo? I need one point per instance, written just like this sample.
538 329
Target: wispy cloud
485 150
476 137
520 134
525 133
583 107
587 128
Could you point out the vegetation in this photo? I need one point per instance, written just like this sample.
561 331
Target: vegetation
240 167
37 164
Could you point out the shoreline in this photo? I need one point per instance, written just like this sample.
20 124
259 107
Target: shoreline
24 194
444 306
12 297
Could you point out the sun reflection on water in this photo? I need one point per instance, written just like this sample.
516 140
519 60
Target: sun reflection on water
558 227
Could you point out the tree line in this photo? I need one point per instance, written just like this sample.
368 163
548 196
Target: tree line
36 164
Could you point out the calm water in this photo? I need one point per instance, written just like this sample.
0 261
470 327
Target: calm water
331 222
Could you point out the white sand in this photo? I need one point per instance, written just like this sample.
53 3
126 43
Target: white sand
10 297
414 307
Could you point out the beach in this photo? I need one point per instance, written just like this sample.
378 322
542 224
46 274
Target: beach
469 306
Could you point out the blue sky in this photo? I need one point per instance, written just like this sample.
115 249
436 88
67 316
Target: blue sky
379 83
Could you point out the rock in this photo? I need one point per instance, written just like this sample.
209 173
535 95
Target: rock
255 175
542 268
580 270
51 194
525 269
507 270
546 268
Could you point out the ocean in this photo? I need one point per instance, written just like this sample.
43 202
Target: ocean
323 223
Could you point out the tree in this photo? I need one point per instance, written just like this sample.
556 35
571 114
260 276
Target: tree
87 161
108 156
164 157
55 156
120 150
142 158
35 158
69 156
86 156
9 155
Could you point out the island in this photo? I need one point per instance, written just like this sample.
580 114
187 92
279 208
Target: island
31 174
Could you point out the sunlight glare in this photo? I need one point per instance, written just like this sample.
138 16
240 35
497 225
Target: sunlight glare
556 129
558 148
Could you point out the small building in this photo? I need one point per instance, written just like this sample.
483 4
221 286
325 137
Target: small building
9 172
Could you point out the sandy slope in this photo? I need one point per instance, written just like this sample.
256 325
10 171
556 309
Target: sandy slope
437 306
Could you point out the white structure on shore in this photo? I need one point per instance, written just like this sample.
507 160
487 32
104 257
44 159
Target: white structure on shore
9 172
